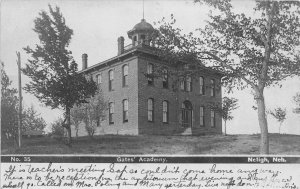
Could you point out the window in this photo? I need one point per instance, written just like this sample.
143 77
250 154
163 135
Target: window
212 87
143 37
99 79
150 109
182 84
150 74
125 75
165 79
188 84
201 116
201 84
165 112
125 110
135 41
110 80
212 118
111 112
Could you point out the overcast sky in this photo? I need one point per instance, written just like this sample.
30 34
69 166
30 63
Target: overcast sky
98 24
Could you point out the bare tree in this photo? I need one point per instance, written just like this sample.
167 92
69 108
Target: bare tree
280 115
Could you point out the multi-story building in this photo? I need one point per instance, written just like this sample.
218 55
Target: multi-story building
141 104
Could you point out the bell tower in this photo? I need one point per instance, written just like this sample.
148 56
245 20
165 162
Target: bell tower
141 33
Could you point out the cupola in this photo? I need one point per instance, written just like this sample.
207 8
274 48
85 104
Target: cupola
142 32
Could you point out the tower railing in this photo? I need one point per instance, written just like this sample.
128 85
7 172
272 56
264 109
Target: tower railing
137 45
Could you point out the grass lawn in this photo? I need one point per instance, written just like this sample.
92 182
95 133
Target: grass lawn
167 145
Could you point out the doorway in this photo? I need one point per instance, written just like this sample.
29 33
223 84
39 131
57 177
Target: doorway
186 114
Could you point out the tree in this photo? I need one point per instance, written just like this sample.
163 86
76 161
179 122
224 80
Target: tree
92 112
56 129
9 104
225 110
32 120
296 99
76 117
255 52
55 80
280 115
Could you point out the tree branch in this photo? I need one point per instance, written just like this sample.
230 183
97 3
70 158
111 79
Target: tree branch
230 68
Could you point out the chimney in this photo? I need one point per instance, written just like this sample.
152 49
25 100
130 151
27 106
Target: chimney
84 61
120 45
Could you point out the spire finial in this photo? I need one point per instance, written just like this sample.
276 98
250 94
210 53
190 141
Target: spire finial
143 9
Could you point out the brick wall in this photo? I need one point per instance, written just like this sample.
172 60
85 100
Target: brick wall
138 92
117 95
175 99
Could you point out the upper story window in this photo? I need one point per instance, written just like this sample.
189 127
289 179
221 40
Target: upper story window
150 109
125 110
99 78
201 85
201 116
125 75
110 79
182 84
165 111
212 118
188 83
150 74
212 87
165 78
111 112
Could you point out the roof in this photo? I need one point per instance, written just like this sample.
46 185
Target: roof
145 49
143 26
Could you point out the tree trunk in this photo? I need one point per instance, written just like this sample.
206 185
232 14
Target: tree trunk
280 127
225 128
68 126
263 124
77 129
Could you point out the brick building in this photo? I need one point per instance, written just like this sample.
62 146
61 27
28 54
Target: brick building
141 104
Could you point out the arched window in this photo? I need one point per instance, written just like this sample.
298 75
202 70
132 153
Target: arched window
165 111
202 116
125 75
212 118
188 83
212 87
182 84
165 78
99 78
150 74
125 110
150 109
110 80
111 112
201 85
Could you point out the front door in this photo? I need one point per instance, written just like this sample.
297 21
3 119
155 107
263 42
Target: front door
186 114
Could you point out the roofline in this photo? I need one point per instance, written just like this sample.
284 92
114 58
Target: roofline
108 61
136 49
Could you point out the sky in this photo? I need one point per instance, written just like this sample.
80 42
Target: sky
98 24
